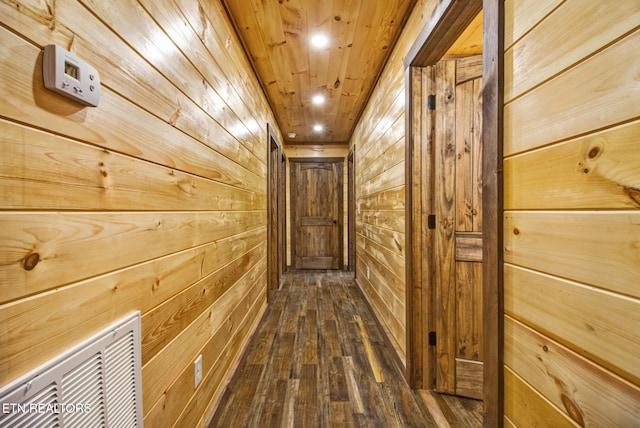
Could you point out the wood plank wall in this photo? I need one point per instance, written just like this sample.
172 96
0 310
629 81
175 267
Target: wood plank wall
379 138
572 213
154 201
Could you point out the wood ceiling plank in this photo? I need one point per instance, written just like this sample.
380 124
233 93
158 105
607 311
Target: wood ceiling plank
345 28
276 37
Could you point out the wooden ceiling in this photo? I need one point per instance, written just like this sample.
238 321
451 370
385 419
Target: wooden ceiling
276 36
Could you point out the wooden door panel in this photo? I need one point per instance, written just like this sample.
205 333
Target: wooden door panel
316 214
457 200
445 207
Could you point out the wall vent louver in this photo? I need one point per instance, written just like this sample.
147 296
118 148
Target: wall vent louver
95 384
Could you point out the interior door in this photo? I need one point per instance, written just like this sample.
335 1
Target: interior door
458 220
316 210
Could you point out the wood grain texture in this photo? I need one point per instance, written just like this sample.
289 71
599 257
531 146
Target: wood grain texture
593 95
379 140
469 43
161 325
468 246
153 201
442 185
537 63
39 325
420 269
589 321
75 246
39 168
596 248
362 35
494 25
133 77
219 354
589 394
445 211
571 178
469 378
525 406
352 379
317 213
456 412
600 170
522 15
161 371
428 50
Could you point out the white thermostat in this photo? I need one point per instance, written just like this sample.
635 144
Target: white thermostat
68 75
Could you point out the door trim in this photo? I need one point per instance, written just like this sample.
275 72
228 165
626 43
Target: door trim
340 218
351 208
492 220
446 23
275 211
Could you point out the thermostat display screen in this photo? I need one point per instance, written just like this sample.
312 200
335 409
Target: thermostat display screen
71 70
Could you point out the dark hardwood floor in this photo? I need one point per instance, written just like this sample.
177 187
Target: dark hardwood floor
318 360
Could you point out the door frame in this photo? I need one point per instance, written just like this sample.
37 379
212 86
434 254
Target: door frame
275 212
351 209
340 218
447 22
282 200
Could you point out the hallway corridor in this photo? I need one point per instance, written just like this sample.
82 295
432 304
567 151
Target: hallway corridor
318 360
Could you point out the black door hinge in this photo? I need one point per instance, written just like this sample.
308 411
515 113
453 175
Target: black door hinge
431 102
432 338
431 221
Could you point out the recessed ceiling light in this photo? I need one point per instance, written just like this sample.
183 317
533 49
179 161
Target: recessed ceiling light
319 40
292 135
317 128
318 99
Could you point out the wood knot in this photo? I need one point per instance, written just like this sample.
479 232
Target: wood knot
337 18
634 194
516 231
31 261
545 348
594 152
573 410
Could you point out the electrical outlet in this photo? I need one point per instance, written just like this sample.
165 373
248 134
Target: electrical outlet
368 273
197 367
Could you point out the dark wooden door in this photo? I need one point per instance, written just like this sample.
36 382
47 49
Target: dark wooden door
458 237
316 213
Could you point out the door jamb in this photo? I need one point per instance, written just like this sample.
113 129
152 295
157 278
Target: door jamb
274 225
448 20
351 210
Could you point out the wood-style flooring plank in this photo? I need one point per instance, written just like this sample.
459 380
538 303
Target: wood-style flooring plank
319 360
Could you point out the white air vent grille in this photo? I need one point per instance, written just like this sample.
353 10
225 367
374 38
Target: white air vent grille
96 384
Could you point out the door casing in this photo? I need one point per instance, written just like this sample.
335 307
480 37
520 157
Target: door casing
275 212
447 22
351 210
